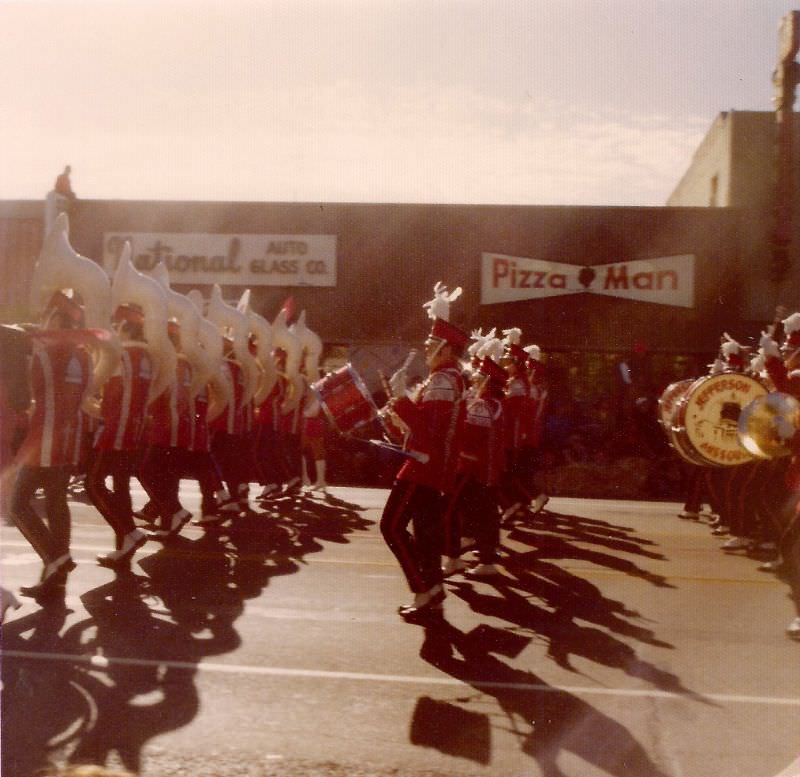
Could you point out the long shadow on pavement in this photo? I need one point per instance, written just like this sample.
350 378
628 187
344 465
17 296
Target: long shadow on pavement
556 536
125 674
547 721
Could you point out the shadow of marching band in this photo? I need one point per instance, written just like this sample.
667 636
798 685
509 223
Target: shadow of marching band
126 673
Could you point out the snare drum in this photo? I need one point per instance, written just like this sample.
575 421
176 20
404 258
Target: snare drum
705 427
345 399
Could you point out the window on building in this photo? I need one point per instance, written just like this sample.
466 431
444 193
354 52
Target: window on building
712 196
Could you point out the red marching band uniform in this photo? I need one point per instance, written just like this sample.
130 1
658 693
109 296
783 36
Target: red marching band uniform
784 371
433 424
61 376
474 510
118 444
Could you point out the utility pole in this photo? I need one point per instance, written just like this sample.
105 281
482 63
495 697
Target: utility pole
785 79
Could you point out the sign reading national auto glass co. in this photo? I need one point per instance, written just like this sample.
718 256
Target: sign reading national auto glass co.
240 260
666 280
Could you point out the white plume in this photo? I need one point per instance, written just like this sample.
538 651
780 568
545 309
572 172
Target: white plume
439 306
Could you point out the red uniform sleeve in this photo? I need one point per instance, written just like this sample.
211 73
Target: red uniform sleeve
435 425
779 375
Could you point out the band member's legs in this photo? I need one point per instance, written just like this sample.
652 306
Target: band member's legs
201 466
24 514
269 458
159 475
419 556
453 519
115 506
484 514
230 454
695 489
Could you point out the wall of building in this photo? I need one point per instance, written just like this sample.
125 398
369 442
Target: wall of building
707 181
390 256
739 150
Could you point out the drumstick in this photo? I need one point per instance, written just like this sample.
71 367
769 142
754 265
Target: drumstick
403 367
410 358
385 383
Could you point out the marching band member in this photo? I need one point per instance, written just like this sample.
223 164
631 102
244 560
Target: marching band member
482 458
231 445
537 402
290 409
432 420
514 493
64 375
313 444
171 417
731 484
272 471
783 367
210 396
59 381
140 317
312 423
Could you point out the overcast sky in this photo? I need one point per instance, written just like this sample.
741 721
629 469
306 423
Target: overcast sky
597 102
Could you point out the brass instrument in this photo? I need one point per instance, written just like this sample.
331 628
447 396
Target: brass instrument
762 421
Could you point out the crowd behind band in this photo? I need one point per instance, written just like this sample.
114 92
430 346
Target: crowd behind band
132 380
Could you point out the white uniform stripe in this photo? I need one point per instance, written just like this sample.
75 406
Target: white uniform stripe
48 424
76 442
127 391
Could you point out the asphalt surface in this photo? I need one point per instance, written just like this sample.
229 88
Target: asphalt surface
619 641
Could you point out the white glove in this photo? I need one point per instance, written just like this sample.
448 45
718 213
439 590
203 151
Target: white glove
769 346
784 428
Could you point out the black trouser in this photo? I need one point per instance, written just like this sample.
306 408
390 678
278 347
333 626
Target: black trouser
114 505
50 540
775 500
721 482
514 487
743 498
474 511
291 447
420 555
200 466
160 475
789 545
525 468
232 454
696 488
269 458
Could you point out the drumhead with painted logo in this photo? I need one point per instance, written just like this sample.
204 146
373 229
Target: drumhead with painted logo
708 417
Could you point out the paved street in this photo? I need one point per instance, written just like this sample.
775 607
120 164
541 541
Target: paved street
620 641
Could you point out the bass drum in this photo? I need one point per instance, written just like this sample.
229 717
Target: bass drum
706 419
667 406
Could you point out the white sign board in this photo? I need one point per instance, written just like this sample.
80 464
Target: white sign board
240 260
667 280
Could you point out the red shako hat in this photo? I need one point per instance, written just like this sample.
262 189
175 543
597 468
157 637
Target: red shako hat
493 370
449 333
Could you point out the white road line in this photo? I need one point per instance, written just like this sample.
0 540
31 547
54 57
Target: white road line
319 674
